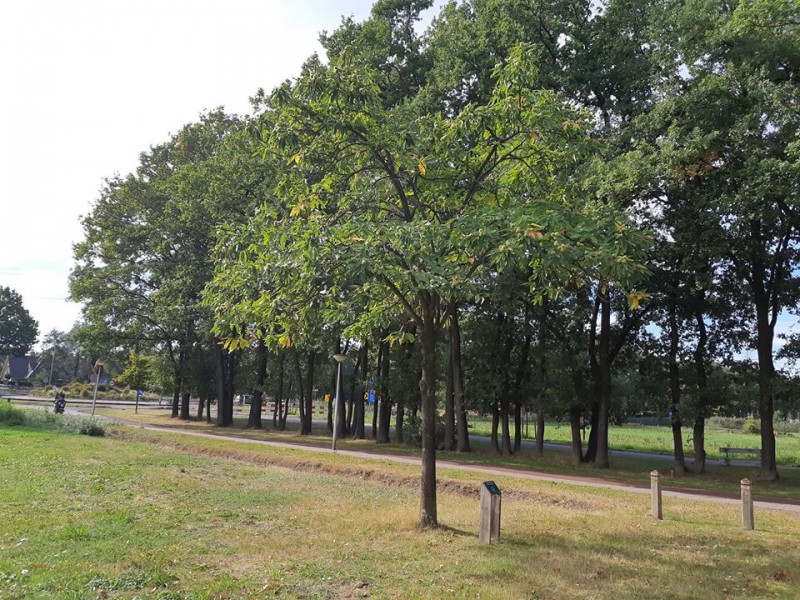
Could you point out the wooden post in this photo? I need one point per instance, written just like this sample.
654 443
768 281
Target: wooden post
656 506
748 523
490 513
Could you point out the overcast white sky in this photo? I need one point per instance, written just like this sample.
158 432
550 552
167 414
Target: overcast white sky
86 86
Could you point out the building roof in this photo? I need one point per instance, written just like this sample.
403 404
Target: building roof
21 367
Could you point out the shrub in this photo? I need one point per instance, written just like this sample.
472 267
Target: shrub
413 430
10 415
751 425
92 428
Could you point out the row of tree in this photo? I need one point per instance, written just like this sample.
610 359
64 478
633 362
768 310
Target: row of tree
520 202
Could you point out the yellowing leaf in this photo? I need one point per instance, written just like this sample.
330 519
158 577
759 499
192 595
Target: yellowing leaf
296 158
297 209
421 167
534 233
285 340
634 298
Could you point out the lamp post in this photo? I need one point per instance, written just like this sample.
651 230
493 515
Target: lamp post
52 364
98 367
339 358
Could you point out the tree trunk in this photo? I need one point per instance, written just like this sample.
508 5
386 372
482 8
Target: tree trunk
284 406
277 409
766 373
254 418
351 399
541 350
224 387
519 381
399 420
462 428
401 402
506 327
594 365
601 460
539 433
766 307
337 349
358 410
373 386
185 406
301 405
449 408
201 403
341 407
575 430
698 430
427 387
384 407
518 407
307 399
178 382
494 437
675 391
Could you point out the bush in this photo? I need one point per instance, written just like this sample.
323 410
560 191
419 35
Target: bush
10 415
412 430
92 428
751 425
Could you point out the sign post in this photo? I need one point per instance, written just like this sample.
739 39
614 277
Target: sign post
490 513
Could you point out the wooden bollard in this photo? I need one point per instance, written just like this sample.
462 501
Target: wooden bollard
656 506
490 498
748 523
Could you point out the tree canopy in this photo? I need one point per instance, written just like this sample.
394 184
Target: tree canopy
18 329
584 209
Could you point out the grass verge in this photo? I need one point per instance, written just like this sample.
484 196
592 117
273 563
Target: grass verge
140 514
718 479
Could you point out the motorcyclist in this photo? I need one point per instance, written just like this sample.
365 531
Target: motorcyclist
60 402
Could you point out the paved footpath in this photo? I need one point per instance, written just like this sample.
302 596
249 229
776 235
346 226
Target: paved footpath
789 506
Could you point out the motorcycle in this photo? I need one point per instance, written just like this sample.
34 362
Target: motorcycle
59 404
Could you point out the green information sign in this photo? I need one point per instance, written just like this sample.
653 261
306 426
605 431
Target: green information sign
492 488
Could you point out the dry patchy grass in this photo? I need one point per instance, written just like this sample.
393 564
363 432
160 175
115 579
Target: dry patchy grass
151 515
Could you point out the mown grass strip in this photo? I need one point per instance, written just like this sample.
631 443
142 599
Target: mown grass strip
147 515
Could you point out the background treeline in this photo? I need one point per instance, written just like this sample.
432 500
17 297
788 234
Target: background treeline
587 210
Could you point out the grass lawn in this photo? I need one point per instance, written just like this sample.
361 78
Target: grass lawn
139 514
719 479
646 438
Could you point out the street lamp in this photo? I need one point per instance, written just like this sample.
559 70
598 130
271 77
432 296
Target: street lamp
52 364
98 367
339 358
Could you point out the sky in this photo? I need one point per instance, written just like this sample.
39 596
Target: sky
86 86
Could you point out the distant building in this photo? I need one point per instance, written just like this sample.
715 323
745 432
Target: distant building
19 369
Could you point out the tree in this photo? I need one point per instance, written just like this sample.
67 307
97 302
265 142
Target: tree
18 330
417 206
145 259
137 374
725 135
